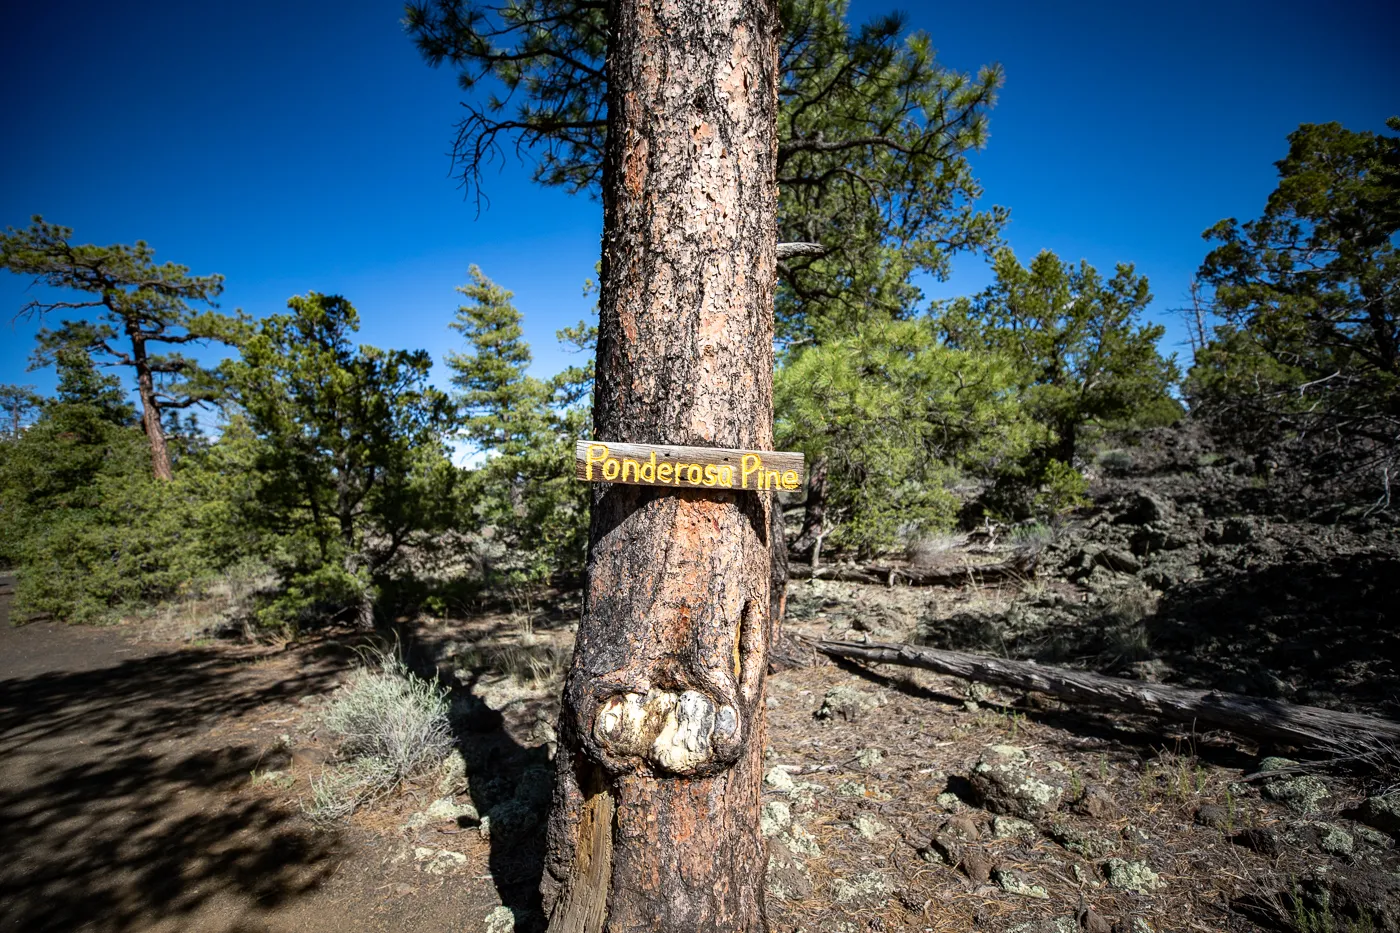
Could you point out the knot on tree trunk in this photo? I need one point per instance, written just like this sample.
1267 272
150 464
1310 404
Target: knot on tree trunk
683 734
683 719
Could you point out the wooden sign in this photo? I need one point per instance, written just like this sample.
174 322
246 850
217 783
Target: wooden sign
687 467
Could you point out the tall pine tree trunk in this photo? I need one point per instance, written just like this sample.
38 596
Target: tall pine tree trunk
655 818
150 409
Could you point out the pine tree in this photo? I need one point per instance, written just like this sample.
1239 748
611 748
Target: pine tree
896 417
1308 302
140 305
351 467
1083 358
525 429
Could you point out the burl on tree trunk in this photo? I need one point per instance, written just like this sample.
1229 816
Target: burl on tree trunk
655 817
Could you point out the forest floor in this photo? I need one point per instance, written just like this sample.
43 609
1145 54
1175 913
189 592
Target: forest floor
157 783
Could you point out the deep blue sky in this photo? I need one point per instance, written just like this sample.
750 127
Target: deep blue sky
302 146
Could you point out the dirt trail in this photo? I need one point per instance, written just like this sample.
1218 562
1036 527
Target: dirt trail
126 804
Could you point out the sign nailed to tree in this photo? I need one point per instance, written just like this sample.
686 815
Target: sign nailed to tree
687 467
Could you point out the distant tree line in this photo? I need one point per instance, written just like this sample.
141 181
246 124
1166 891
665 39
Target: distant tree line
331 474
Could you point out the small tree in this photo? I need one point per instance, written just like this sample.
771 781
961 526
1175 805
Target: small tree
80 516
1308 297
895 416
526 428
1082 357
142 305
18 405
352 466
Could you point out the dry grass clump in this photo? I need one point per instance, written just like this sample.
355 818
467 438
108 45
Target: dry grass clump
390 725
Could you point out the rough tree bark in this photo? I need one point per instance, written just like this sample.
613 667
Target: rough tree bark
655 818
150 408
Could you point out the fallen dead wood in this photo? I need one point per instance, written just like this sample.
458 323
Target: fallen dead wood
1304 726
1016 567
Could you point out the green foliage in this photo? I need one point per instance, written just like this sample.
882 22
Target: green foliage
873 135
872 140
349 467
524 428
1082 360
1308 297
18 405
89 530
897 416
138 305
1063 489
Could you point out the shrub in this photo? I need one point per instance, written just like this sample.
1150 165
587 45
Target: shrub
391 726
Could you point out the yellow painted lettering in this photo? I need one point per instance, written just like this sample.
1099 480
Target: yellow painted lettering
614 464
750 464
726 476
635 467
693 474
711 474
592 458
770 479
663 473
790 479
648 472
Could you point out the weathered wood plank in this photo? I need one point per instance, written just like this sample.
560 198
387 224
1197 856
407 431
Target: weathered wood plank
1306 726
681 467
1018 566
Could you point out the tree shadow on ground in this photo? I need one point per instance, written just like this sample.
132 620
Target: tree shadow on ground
115 802
1322 632
510 782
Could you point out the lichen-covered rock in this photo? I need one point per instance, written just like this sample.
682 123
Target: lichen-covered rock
846 703
1383 813
779 780
1132 876
869 827
438 861
500 920
1008 827
1372 837
950 801
1302 794
1004 783
775 817
869 758
1334 840
1082 843
1019 883
800 842
870 889
787 878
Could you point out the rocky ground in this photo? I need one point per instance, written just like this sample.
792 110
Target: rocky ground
902 800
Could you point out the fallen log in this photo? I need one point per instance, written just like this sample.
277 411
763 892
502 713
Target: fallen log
1017 567
1304 726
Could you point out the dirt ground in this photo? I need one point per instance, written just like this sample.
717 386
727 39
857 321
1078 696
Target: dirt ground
150 782
129 799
